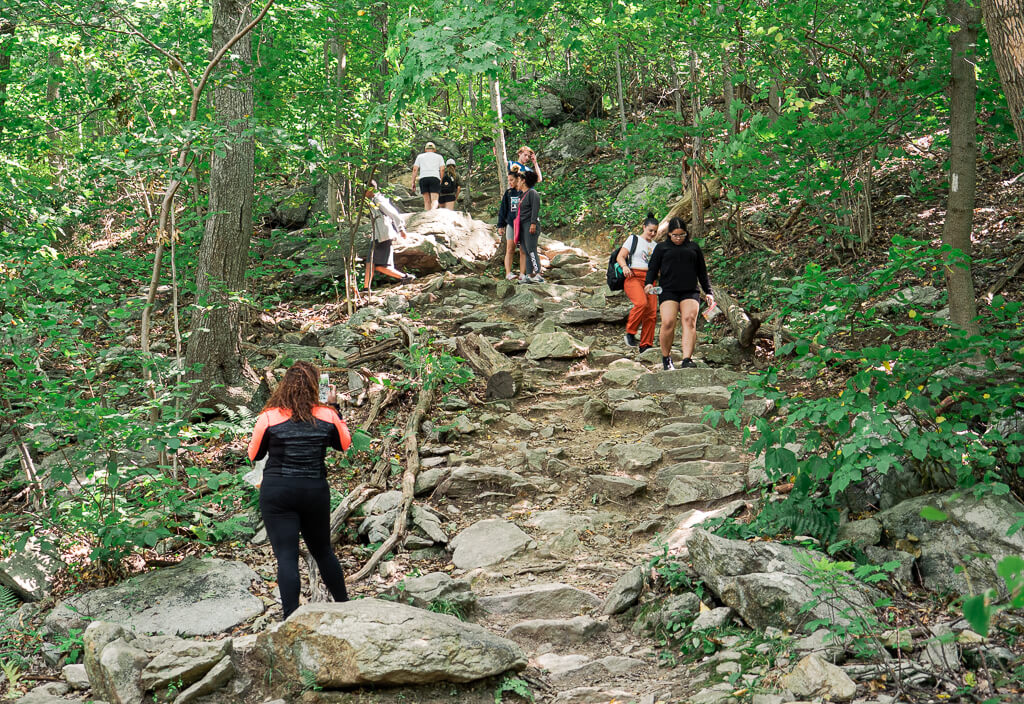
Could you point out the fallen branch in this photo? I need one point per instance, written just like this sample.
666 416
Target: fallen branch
412 468
39 500
504 379
742 324
1002 281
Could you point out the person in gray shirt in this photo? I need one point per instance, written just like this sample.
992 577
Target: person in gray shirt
387 223
529 228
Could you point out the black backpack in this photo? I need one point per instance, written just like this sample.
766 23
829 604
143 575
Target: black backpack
616 279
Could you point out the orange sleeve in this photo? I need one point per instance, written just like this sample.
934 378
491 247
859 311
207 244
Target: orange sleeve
343 434
262 423
329 415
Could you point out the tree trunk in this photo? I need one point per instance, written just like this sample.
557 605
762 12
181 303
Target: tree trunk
1004 20
6 30
503 378
500 152
956 231
622 104
223 254
774 101
697 213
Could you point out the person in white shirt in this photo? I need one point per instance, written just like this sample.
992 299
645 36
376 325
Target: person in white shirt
644 315
429 167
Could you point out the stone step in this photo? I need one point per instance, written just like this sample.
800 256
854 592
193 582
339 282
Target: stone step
685 489
579 629
700 468
550 599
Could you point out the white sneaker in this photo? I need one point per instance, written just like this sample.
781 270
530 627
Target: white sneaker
536 279
524 279
511 277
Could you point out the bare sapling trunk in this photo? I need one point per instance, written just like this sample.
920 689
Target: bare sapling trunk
500 151
956 231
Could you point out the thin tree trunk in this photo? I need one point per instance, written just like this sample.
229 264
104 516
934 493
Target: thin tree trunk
500 152
1004 20
697 213
956 231
6 30
774 101
622 104
677 91
220 270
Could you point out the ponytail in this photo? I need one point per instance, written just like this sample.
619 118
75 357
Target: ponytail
651 220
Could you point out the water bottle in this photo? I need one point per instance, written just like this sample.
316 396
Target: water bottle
325 386
656 290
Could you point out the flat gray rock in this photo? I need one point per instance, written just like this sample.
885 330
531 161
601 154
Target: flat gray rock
639 409
700 468
686 489
618 487
30 572
578 629
556 345
372 641
194 598
488 542
633 457
554 599
625 592
470 481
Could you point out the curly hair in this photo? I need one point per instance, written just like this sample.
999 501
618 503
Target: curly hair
298 392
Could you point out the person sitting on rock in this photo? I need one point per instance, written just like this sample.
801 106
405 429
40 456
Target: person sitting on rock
293 432
386 223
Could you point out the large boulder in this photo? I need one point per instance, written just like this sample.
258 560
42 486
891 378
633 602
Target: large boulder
769 584
371 641
540 110
647 193
973 537
573 141
193 598
556 345
444 239
581 98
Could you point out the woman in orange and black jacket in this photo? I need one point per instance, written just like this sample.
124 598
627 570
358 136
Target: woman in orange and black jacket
294 431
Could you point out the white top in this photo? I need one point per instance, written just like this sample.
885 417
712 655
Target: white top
643 252
430 164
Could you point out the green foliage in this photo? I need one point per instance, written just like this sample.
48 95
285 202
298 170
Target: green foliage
512 685
449 608
430 364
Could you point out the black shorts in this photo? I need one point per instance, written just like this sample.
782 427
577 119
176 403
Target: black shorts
446 198
678 296
430 185
382 255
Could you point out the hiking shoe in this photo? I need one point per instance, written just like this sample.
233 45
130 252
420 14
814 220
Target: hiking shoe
687 363
644 348
510 277
630 339
524 279
666 363
536 279
407 278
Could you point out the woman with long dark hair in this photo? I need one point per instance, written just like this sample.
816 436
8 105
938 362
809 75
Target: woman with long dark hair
678 266
294 431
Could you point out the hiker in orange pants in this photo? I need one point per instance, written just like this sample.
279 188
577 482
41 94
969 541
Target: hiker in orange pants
632 258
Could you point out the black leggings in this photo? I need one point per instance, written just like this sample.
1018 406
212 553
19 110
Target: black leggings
291 506
528 243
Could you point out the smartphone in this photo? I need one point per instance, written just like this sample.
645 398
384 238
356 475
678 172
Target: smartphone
325 387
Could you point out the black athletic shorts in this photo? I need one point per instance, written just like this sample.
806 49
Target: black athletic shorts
678 296
430 185
381 254
446 198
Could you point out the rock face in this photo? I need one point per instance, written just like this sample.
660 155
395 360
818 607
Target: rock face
644 194
194 598
574 140
443 239
488 542
535 110
30 572
972 527
370 641
766 582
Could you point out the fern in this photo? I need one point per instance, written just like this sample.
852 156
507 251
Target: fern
513 685
9 601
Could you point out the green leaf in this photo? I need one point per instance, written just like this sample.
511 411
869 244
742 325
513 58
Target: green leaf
930 513
978 613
